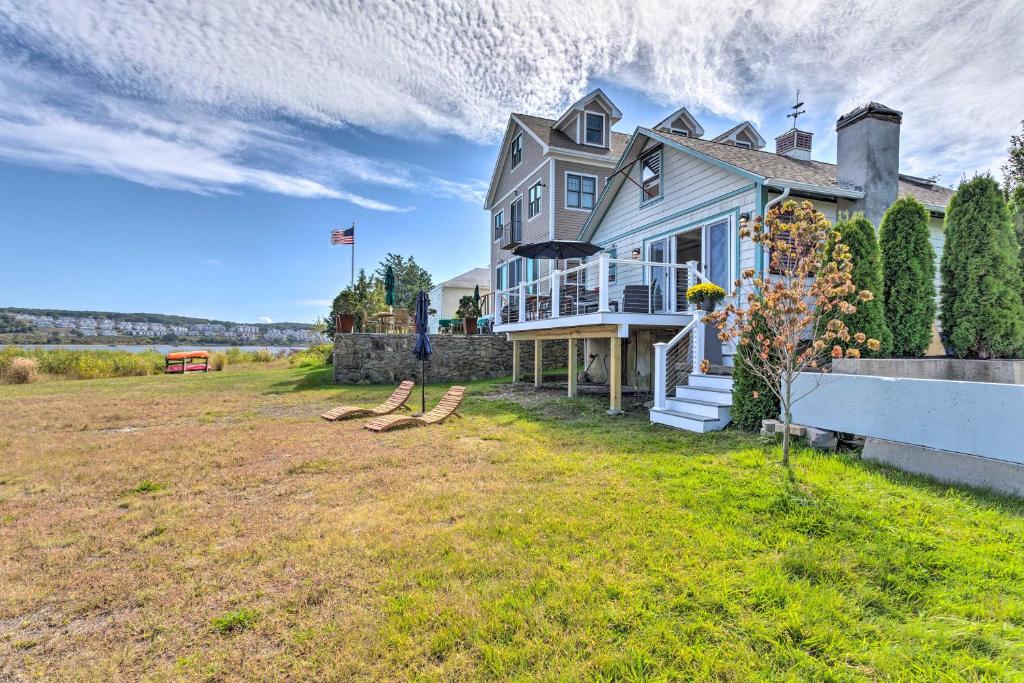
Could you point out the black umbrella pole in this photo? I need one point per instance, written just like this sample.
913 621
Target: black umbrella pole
423 386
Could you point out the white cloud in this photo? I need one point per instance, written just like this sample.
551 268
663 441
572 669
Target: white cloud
423 67
264 319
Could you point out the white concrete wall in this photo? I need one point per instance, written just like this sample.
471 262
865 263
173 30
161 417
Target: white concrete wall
964 417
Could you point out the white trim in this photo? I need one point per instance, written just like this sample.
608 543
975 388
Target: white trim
563 154
742 144
579 124
551 200
644 199
581 104
529 176
698 130
524 127
565 190
623 320
604 129
781 184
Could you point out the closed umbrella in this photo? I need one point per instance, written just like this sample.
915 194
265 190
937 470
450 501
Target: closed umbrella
389 286
422 348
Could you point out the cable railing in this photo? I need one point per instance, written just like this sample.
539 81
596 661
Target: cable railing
602 285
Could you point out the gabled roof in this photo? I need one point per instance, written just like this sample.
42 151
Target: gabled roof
545 131
581 104
471 278
698 130
775 170
746 126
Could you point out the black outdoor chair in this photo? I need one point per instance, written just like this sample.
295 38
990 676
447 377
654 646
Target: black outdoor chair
640 299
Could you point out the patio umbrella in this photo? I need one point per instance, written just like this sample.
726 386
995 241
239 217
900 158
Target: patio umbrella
557 249
389 286
422 348
476 297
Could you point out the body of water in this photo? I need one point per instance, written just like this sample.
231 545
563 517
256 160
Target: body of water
161 348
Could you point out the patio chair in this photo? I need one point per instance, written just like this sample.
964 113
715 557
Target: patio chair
402 322
397 400
450 403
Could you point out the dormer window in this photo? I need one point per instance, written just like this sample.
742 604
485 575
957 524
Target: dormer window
517 150
744 144
681 132
594 133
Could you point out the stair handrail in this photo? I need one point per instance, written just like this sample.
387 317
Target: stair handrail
673 360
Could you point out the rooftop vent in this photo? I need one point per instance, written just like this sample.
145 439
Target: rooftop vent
795 144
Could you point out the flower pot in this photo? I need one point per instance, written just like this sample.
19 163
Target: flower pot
470 324
707 305
344 322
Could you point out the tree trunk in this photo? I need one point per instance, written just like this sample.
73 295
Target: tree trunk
787 417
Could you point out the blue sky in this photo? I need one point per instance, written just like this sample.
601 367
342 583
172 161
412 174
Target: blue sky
191 158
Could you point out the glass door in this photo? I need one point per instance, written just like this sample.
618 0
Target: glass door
716 253
659 284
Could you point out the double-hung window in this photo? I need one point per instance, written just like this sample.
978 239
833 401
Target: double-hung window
517 150
650 175
499 224
533 207
580 191
516 219
594 129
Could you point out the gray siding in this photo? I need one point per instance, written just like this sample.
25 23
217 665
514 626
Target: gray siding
568 222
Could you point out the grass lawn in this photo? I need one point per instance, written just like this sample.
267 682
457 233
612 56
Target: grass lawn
213 527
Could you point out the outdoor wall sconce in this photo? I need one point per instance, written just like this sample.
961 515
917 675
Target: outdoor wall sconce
744 219
636 254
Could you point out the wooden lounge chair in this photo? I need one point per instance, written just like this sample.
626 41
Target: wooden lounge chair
442 411
397 400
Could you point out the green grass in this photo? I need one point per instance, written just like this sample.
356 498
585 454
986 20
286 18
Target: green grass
536 541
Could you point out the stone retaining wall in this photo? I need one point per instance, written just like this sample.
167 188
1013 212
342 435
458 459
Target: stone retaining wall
388 359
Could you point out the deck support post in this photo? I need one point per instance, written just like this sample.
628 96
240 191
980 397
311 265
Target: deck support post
538 363
572 368
614 376
516 358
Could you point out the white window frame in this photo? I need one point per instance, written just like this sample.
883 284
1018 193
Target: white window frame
514 146
498 220
604 128
644 199
680 132
565 186
532 213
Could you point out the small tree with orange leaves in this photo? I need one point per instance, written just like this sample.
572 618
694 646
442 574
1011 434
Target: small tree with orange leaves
806 290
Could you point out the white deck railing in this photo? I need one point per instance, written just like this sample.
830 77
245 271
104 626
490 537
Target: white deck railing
605 285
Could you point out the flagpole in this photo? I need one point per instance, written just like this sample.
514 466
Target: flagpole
353 253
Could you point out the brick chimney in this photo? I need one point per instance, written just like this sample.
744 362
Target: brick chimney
795 144
868 158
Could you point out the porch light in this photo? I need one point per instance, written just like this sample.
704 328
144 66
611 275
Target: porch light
744 219
636 254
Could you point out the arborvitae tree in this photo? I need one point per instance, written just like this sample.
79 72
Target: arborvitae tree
857 233
752 398
908 277
982 310
1013 169
1017 217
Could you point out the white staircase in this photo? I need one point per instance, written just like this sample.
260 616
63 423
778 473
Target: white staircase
700 405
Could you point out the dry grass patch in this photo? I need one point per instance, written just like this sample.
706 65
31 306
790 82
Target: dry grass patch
236 535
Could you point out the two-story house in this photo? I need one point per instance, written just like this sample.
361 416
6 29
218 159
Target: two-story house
668 216
546 182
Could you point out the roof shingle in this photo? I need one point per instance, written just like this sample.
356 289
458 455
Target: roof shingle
543 129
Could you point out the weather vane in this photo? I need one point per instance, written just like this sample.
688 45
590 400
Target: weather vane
797 111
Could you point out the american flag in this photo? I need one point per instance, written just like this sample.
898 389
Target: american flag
346 236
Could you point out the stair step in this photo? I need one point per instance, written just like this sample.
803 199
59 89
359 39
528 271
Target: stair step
710 381
698 407
687 421
720 396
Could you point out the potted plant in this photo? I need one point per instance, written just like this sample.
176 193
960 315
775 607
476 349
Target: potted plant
345 309
469 311
705 295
